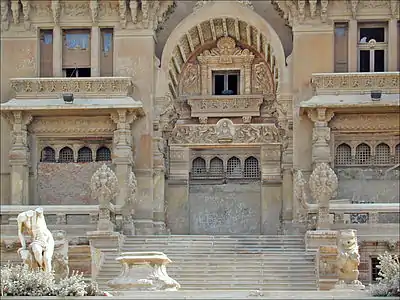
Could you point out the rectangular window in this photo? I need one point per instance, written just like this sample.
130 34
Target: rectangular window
226 82
374 269
46 53
77 72
106 56
372 47
76 49
341 47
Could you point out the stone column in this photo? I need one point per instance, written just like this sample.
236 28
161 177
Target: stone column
122 151
321 151
271 193
57 51
19 157
352 46
95 52
178 190
393 46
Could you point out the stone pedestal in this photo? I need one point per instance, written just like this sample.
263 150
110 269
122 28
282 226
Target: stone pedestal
317 238
144 271
355 286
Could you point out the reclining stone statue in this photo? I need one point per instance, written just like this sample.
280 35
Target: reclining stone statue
40 251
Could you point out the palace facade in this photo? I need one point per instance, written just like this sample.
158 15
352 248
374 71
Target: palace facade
214 105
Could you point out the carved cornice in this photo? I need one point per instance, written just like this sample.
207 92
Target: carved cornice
355 83
366 122
199 4
225 132
51 87
225 106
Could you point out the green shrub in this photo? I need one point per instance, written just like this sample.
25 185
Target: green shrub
389 280
19 280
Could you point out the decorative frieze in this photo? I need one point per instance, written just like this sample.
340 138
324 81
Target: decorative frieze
55 87
225 132
355 83
366 122
225 106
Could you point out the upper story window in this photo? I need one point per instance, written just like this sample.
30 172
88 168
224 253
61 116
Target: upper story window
372 47
226 82
46 53
76 53
106 56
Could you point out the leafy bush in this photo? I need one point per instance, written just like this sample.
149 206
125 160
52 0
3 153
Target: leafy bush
19 280
389 280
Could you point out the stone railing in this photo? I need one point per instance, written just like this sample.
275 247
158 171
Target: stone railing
225 106
54 87
355 83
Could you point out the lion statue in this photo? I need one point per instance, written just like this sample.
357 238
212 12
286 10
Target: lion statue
348 258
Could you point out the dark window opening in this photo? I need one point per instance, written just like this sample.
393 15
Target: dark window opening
374 269
103 154
226 83
379 61
365 61
48 155
77 72
374 33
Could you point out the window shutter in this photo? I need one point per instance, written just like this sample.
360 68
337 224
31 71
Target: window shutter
341 47
46 53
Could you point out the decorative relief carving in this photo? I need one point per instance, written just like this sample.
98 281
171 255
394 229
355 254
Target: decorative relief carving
332 84
75 8
26 9
56 9
366 122
299 192
94 9
15 11
34 87
190 83
209 134
5 15
262 81
108 8
225 130
199 4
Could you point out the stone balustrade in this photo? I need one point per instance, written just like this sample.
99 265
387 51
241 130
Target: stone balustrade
88 87
355 83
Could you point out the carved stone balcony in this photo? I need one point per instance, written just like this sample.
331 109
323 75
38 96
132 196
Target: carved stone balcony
225 106
90 87
355 83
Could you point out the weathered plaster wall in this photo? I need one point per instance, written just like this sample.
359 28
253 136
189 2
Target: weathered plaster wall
65 183
368 184
225 209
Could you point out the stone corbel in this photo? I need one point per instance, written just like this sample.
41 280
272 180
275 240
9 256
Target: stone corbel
122 13
133 5
15 11
354 8
324 10
56 9
26 8
313 8
5 9
94 8
320 116
302 14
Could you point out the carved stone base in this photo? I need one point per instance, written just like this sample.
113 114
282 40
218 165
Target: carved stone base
144 271
356 285
316 238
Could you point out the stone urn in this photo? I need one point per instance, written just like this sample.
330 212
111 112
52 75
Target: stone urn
144 271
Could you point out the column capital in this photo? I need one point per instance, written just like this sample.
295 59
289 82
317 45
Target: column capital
320 116
123 118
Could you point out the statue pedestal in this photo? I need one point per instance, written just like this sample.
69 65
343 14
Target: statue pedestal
353 286
316 238
144 271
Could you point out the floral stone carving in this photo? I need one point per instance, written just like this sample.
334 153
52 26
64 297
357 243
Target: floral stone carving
299 191
323 185
128 208
104 186
348 260
41 249
144 271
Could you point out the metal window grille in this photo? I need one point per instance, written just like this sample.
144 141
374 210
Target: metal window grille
343 155
85 155
103 154
198 167
234 168
382 154
397 153
48 155
374 269
216 167
363 154
251 168
66 155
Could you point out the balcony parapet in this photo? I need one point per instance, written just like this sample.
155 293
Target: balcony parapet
88 87
225 106
355 83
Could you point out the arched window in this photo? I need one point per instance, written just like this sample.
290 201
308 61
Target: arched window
363 154
48 155
251 168
198 166
234 168
66 155
103 154
216 167
397 154
343 155
382 154
85 155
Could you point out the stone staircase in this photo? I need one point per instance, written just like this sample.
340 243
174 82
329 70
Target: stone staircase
226 262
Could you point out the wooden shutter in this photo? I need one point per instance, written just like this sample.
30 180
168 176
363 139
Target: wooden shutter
107 52
341 47
76 57
46 53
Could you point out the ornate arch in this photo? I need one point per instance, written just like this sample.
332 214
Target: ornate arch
208 24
